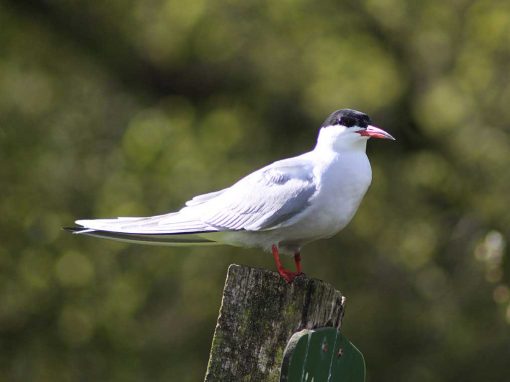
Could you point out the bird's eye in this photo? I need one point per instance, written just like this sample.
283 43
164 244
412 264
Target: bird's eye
347 121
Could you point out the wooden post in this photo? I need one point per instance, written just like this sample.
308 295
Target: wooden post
259 314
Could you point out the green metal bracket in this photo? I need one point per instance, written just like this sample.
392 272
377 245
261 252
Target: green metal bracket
322 355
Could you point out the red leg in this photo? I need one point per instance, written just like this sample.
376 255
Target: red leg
287 275
297 261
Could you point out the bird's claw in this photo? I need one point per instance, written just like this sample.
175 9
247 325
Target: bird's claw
289 276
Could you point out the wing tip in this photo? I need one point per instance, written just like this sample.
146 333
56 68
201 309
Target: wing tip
77 230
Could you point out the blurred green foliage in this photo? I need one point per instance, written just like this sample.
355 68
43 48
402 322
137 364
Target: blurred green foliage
132 107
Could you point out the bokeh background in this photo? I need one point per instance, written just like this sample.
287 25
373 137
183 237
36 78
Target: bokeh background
129 107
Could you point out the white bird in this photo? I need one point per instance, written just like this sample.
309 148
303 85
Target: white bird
279 208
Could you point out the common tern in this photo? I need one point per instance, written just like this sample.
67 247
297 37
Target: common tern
279 208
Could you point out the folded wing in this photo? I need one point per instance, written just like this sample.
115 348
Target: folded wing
269 198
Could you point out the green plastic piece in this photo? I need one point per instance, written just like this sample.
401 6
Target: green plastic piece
322 355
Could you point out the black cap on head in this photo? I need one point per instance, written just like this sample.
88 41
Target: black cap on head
348 118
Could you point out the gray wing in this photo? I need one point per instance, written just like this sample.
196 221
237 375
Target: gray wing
200 199
266 199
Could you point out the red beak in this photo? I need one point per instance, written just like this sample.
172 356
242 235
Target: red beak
375 132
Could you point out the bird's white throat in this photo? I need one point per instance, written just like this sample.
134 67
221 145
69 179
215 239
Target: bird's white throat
339 139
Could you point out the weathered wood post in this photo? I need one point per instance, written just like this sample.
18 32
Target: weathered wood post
259 315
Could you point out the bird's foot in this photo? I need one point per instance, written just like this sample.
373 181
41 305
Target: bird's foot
287 275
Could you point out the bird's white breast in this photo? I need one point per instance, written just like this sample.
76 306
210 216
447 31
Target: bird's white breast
342 183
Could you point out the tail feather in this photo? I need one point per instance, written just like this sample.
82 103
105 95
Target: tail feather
172 239
173 223
170 229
